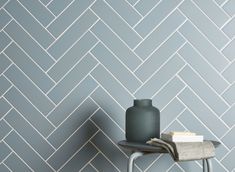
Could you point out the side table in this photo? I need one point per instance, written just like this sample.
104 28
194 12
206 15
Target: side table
139 149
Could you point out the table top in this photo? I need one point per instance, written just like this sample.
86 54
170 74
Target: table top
143 147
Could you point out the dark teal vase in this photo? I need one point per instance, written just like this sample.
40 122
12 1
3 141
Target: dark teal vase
142 121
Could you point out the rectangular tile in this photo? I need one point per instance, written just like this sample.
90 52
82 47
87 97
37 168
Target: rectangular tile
22 60
228 73
26 153
4 151
229 28
2 2
4 129
72 123
143 6
194 125
156 16
152 41
227 139
132 2
102 164
29 89
210 30
203 90
39 11
204 46
4 18
213 11
162 164
72 145
4 85
3 168
229 7
34 50
88 168
229 50
160 78
72 34
109 105
68 16
212 77
116 67
29 112
5 40
72 56
29 23
4 107
119 160
227 161
69 82
126 11
45 2
4 62
115 89
80 159
29 134
16 164
228 117
57 6
203 113
229 95
159 56
115 45
168 92
116 23
191 165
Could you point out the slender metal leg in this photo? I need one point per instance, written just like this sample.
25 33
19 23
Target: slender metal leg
209 165
204 165
131 160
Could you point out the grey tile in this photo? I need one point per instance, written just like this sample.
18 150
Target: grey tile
102 164
132 2
115 89
228 159
4 19
29 67
16 164
88 168
218 166
116 67
160 56
72 56
203 46
29 89
175 126
227 139
4 129
212 77
203 113
213 11
160 78
229 28
4 62
29 134
34 50
29 23
229 95
115 45
26 153
162 164
116 23
144 7
57 6
228 117
2 2
220 2
72 123
229 7
191 165
229 51
5 40
152 41
72 101
72 34
156 16
175 168
72 145
39 11
228 73
210 30
45 2
29 112
68 16
4 151
80 159
168 92
203 90
4 107
3 168
109 105
69 82
4 85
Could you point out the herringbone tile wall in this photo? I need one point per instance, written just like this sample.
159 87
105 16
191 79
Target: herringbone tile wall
70 68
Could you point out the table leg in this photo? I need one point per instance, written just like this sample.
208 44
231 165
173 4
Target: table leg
204 165
131 160
209 165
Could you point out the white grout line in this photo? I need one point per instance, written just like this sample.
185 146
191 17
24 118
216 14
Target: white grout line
133 8
90 161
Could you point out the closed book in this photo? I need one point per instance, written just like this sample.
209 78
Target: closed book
181 138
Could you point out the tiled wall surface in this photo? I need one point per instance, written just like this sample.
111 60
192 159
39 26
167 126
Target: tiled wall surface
70 68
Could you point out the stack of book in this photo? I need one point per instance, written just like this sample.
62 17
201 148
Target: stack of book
186 136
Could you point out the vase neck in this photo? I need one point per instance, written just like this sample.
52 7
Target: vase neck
143 102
